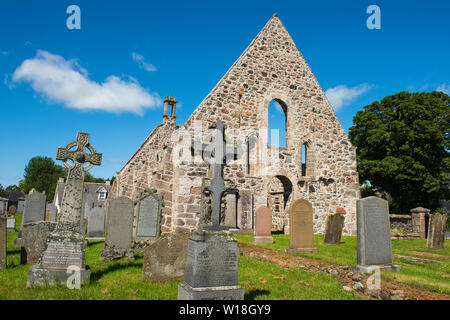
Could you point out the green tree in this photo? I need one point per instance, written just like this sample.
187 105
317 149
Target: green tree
90 178
12 188
403 147
42 174
2 191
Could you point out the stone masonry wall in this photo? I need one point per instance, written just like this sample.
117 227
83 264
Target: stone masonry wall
271 68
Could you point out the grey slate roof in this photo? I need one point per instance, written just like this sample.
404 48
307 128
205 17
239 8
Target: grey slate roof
90 193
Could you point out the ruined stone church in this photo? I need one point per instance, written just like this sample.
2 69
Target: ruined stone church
271 68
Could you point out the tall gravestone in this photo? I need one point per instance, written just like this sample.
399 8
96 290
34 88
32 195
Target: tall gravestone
35 206
301 227
263 226
212 253
50 212
148 207
96 223
3 242
374 236
119 234
63 257
436 231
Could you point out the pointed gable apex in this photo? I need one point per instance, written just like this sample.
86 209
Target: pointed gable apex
270 66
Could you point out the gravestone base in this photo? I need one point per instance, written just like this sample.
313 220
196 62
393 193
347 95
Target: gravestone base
262 239
301 250
187 292
39 277
370 269
62 257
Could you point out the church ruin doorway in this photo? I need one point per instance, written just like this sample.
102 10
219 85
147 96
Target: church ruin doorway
279 192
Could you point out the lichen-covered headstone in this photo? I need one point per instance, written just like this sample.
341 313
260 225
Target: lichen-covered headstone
436 231
63 257
34 238
334 227
119 234
165 259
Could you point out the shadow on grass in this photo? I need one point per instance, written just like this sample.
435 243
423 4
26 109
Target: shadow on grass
96 275
11 252
254 293
94 242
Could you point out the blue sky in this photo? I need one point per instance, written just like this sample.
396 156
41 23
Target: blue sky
144 50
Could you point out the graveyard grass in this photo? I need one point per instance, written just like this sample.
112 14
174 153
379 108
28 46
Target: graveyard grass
432 277
123 280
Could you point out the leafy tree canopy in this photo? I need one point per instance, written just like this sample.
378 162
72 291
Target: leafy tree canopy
42 174
90 178
403 147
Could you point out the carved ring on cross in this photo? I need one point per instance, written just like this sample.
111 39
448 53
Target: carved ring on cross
79 156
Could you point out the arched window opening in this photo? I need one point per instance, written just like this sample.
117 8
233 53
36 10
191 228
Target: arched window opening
277 123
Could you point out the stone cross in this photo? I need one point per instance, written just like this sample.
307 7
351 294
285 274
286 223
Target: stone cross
79 156
218 150
73 190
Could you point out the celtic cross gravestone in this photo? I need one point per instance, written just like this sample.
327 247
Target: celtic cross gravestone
63 255
211 264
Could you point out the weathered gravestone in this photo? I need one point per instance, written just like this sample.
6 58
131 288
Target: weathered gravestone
119 234
263 226
212 252
11 224
34 238
334 226
2 242
148 208
63 259
374 236
165 259
50 212
301 228
96 223
436 231
35 205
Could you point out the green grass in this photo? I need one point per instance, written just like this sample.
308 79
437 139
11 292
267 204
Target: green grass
123 280
432 277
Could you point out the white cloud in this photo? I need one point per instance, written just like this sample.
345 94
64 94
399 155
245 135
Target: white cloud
341 96
64 81
139 59
445 88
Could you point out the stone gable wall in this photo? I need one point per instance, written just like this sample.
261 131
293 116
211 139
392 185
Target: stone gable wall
270 68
